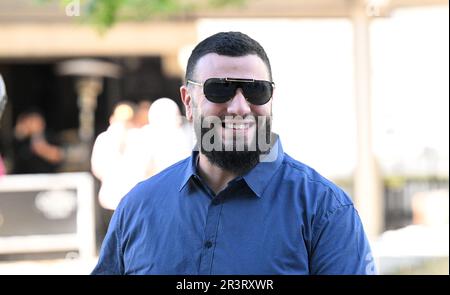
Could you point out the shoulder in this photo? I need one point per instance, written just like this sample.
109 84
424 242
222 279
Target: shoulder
162 185
314 187
101 138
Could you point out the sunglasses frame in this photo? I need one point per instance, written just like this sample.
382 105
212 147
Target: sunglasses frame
238 80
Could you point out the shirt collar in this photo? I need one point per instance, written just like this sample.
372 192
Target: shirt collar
257 179
190 169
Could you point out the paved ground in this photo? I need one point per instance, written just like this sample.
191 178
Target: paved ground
47 267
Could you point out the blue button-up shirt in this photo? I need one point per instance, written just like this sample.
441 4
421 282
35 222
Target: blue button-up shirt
282 217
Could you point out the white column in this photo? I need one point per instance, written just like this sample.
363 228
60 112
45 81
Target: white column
367 183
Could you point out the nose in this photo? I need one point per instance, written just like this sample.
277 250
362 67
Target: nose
238 106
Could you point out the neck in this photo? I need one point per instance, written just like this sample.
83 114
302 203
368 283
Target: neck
216 177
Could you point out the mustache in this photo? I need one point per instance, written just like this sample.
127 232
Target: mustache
229 117
212 134
233 119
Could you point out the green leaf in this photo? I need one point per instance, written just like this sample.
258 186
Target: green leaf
103 14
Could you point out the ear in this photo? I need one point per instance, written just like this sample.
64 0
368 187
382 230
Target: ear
187 101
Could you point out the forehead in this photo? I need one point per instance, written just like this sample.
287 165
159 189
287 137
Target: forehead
213 65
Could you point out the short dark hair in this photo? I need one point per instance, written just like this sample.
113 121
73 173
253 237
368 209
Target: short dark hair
229 44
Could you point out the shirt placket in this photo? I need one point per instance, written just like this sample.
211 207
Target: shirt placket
209 243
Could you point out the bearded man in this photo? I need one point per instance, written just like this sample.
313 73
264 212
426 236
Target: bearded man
238 204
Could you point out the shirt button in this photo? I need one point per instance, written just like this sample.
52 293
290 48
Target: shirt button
208 244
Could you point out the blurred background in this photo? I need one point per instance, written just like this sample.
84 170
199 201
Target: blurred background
362 96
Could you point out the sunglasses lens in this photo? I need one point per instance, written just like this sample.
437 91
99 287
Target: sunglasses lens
219 91
258 92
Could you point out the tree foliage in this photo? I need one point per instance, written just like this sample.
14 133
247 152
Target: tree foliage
105 13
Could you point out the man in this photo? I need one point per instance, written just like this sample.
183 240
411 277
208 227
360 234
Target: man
239 205
35 149
162 142
111 161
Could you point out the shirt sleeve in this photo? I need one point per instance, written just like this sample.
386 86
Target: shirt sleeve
110 260
340 245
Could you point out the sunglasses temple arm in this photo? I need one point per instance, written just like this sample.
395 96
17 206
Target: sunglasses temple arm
194 83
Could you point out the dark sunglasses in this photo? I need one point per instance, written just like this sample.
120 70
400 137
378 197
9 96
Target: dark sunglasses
220 90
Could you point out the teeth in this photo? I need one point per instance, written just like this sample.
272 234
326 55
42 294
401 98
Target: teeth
236 126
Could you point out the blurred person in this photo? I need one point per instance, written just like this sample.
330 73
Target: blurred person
165 141
35 149
140 118
112 159
3 100
238 204
2 167
3 96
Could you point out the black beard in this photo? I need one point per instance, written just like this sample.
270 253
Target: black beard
237 162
